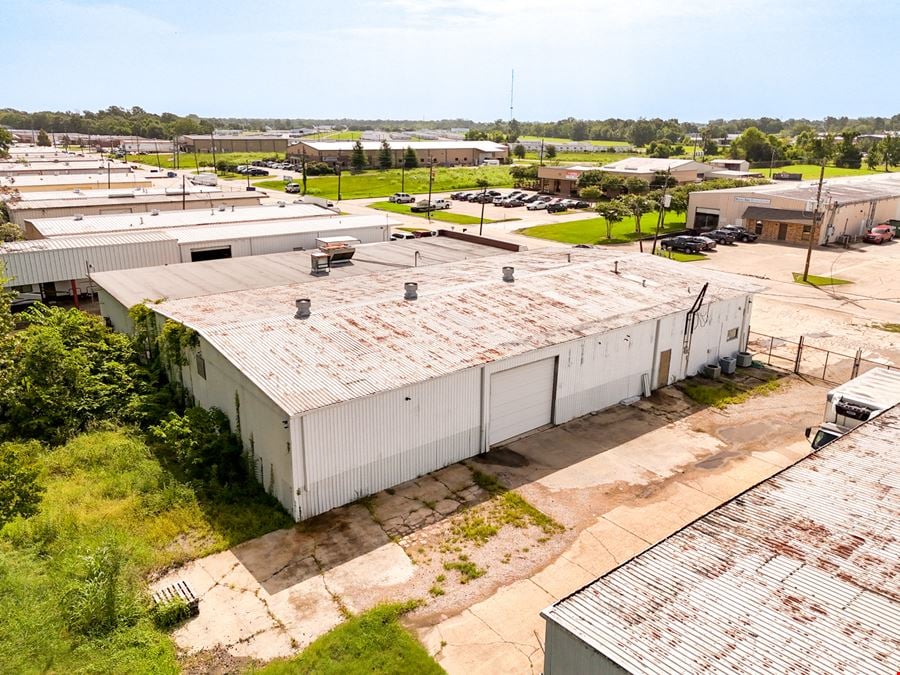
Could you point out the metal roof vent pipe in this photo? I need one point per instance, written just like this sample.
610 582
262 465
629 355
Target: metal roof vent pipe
410 290
508 274
616 267
303 311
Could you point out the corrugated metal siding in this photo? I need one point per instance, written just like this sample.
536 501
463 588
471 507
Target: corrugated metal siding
564 654
357 449
799 574
39 261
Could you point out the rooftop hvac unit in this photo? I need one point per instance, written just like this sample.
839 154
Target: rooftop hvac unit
79 216
154 212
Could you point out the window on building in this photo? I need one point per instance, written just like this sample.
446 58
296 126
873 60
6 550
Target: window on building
732 334
759 227
807 231
201 366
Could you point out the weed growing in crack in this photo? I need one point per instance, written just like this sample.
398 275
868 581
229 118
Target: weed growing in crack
436 591
466 568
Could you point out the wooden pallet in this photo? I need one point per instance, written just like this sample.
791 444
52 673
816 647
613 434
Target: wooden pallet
180 589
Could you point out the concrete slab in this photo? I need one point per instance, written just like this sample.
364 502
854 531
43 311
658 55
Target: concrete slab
562 577
305 611
367 579
510 611
227 617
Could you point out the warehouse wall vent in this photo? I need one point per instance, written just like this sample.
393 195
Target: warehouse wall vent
303 308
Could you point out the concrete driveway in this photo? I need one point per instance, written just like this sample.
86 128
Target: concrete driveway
605 487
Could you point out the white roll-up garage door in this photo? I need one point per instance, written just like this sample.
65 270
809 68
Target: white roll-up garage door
521 399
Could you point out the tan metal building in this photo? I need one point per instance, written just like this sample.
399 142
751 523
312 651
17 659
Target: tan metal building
564 179
61 168
785 211
441 153
242 143
83 181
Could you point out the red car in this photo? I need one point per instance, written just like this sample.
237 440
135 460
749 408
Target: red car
879 234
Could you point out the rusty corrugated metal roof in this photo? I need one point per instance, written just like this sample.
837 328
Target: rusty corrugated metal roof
798 574
364 338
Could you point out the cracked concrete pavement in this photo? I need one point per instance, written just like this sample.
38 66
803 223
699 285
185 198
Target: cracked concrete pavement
618 481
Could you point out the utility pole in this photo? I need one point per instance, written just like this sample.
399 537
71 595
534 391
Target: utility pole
212 139
403 175
663 203
108 179
816 216
481 224
542 153
338 168
183 193
772 162
430 180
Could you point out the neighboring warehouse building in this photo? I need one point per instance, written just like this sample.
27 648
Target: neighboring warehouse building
63 264
441 153
121 290
40 228
17 170
564 179
87 181
384 380
243 143
796 575
140 200
785 211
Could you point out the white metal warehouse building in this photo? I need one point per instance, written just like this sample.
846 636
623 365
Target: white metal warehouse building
798 574
71 260
373 389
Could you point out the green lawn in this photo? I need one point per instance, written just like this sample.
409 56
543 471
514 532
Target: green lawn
373 643
814 280
73 576
552 141
441 216
599 158
386 183
811 171
204 159
593 230
680 257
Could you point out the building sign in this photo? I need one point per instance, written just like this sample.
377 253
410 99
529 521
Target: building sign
572 175
753 200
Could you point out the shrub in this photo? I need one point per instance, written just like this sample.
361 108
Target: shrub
318 169
169 614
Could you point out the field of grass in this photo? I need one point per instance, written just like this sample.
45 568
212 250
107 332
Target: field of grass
811 171
186 160
723 393
386 183
440 216
552 141
73 576
593 230
335 136
372 642
680 257
814 280
599 158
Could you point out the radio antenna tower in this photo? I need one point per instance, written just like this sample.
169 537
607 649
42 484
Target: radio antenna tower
512 81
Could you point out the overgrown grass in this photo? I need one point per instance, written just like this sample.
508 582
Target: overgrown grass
593 230
111 514
441 216
372 643
889 327
468 571
814 280
723 393
385 183
598 158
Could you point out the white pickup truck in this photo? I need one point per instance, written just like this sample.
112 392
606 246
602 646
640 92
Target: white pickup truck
855 402
424 205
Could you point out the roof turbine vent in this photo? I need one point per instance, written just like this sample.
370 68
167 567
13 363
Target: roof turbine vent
303 310
410 290
508 274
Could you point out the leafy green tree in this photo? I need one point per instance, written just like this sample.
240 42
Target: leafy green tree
612 185
69 371
889 150
6 140
662 179
848 154
636 186
519 151
20 492
528 172
642 132
637 205
752 145
385 160
579 130
550 151
6 323
591 193
514 130
874 157
612 212
590 178
661 149
43 139
358 157
410 160
10 232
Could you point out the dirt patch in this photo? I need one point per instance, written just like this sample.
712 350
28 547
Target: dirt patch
717 460
502 456
216 662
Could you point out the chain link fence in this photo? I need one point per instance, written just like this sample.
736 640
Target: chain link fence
804 358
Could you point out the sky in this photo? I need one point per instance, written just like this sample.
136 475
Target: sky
694 60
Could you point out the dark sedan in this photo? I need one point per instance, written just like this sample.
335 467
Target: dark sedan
726 237
681 243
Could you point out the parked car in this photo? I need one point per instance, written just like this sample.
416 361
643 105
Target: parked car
419 234
726 237
23 301
681 243
457 195
498 200
493 193
705 243
558 207
256 171
292 188
537 206
581 204
401 198
741 233
171 174
402 235
515 202
531 199
485 198
879 234
423 206
570 203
